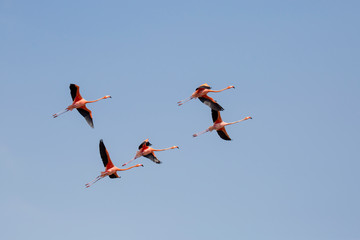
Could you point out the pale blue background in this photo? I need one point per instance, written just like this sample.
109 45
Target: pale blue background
290 173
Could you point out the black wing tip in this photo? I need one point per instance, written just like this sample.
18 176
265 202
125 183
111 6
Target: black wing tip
215 106
227 139
223 135
146 143
203 86
214 115
114 176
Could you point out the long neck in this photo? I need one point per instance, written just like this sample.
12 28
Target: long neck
157 150
95 100
124 169
236 121
218 90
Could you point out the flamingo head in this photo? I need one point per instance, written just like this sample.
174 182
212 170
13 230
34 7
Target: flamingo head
139 165
247 118
107 96
231 86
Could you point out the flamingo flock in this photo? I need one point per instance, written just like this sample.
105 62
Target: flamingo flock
144 150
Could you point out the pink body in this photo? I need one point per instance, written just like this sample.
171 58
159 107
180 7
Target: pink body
78 104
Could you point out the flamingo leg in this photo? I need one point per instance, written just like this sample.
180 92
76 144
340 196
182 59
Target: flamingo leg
93 181
184 101
59 113
197 134
129 161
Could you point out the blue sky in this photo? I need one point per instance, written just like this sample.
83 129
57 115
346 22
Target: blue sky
290 173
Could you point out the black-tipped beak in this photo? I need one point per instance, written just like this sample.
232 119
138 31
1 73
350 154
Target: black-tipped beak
110 97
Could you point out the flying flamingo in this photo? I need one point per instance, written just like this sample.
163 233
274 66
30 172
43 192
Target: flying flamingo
219 125
80 104
148 152
201 93
110 169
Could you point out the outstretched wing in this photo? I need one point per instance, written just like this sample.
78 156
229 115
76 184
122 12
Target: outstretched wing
211 103
223 134
216 116
152 157
86 113
144 143
75 92
105 156
114 176
203 86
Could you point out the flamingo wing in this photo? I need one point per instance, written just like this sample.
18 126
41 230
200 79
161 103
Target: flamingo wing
152 157
144 143
75 92
211 103
86 113
105 156
216 116
203 86
114 176
223 134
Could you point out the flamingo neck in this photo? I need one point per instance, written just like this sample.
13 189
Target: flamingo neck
236 121
124 169
95 100
218 90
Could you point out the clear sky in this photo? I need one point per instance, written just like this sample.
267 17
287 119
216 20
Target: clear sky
290 173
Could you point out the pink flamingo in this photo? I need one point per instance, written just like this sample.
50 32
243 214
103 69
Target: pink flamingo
219 125
201 93
146 151
80 104
110 169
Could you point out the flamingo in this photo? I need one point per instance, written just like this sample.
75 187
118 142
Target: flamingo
80 104
219 125
110 169
146 151
201 93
